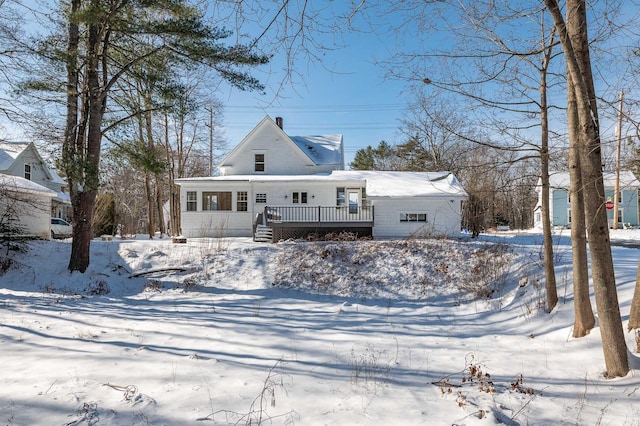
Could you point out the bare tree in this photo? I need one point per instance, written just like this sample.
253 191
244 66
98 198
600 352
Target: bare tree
575 43
497 75
583 311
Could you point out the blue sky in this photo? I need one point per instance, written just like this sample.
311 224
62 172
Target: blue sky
346 94
354 99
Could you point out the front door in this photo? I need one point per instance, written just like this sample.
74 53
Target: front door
354 201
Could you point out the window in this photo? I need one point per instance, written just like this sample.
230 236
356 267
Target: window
241 203
212 201
261 198
354 198
192 201
340 197
413 217
259 162
27 171
299 198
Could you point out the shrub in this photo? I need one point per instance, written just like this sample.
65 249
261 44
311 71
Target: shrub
98 288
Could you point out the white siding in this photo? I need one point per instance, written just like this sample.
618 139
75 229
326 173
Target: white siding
233 223
222 223
443 216
29 157
282 156
33 216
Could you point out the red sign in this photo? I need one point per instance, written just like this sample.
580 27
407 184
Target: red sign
609 205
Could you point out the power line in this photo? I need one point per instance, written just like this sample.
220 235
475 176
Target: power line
337 127
320 108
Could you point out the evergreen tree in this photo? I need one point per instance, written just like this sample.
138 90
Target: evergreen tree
104 42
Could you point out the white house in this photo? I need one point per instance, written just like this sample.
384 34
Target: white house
25 208
276 186
22 159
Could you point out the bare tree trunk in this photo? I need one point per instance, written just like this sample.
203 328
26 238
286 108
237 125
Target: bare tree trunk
71 133
84 176
151 227
161 223
549 267
175 210
174 190
634 316
579 71
583 311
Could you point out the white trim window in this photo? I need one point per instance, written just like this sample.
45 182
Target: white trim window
261 198
413 217
27 171
259 162
192 201
242 201
299 197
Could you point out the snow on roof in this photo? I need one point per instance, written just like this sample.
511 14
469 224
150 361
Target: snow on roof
378 183
9 151
627 179
318 177
17 183
322 149
407 184
55 177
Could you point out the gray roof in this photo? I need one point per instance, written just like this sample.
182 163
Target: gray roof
322 149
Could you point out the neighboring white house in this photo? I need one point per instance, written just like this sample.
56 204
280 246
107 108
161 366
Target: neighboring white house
560 202
22 159
25 208
276 186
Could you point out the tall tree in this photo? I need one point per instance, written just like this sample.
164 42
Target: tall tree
502 78
575 42
97 29
383 157
583 312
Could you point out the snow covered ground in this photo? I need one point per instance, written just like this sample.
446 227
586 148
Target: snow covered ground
355 333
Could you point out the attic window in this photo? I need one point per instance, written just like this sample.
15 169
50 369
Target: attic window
27 171
259 162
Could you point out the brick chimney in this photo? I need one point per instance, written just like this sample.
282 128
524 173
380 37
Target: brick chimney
279 122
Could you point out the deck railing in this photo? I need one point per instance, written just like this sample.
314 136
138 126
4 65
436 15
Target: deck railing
318 214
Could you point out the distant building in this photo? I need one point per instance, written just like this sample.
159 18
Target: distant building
560 202
25 208
22 159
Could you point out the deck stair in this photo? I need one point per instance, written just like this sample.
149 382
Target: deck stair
263 234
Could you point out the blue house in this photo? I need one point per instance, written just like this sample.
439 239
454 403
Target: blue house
560 203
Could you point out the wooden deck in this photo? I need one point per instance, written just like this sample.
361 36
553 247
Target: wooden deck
285 222
319 216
